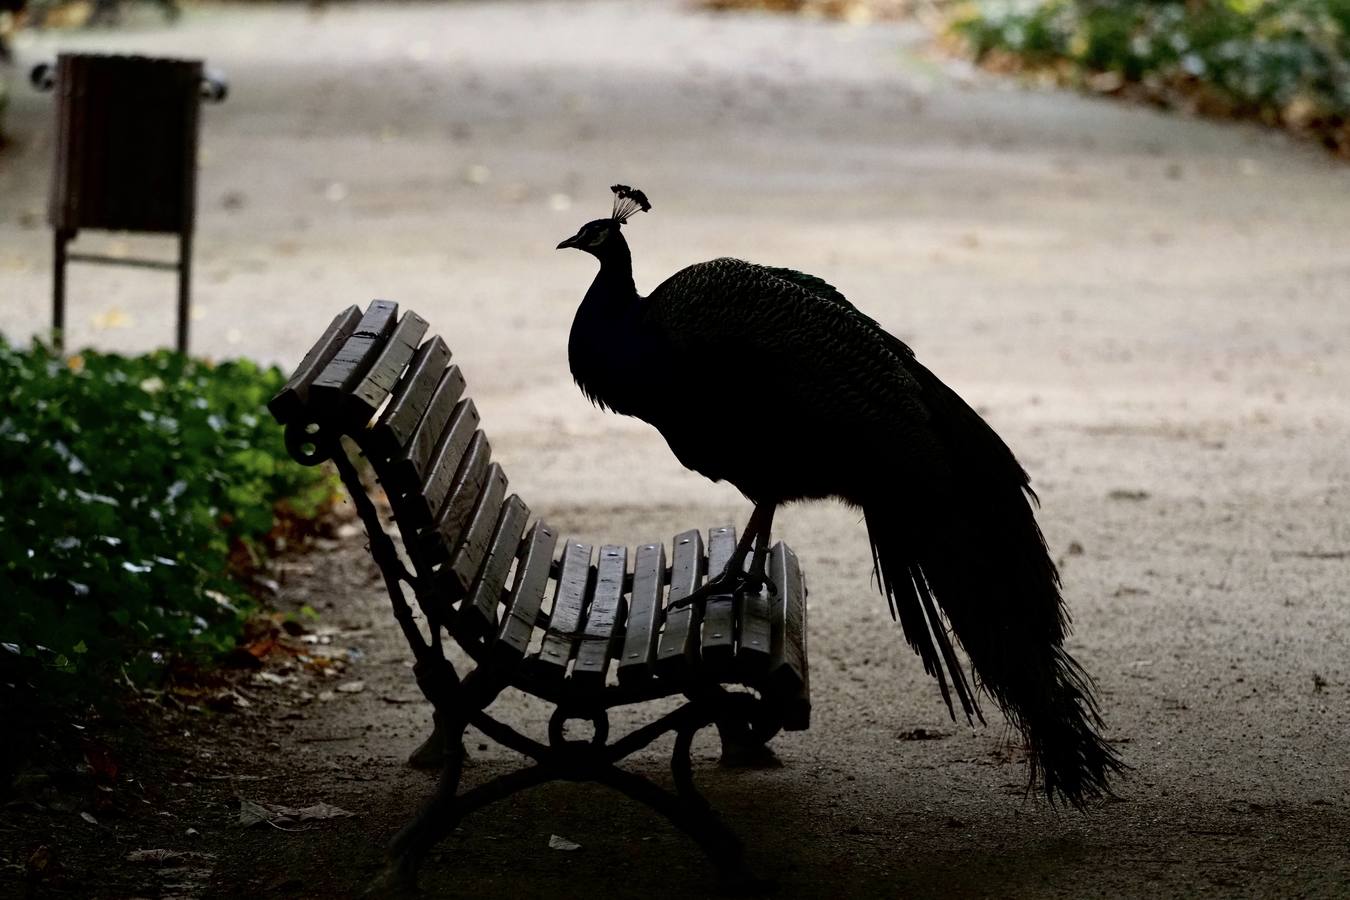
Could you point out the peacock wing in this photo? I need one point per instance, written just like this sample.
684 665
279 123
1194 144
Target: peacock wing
795 349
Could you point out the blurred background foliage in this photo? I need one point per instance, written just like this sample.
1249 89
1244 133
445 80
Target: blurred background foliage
141 495
1285 62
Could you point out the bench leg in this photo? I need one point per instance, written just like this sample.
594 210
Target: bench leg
743 748
692 814
431 753
440 816
434 752
745 726
435 819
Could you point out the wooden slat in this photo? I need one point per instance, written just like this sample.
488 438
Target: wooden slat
411 397
719 617
788 678
472 550
678 647
443 538
407 470
344 371
569 609
513 638
756 635
478 615
644 613
290 400
420 507
603 619
378 382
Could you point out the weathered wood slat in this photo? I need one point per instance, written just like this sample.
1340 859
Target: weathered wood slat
406 470
378 382
569 610
444 537
603 619
411 397
513 638
344 371
678 648
478 615
419 508
788 679
756 635
644 613
719 616
290 400
468 557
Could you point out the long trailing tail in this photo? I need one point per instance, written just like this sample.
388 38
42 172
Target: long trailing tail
970 552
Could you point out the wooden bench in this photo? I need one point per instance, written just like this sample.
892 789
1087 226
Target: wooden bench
585 631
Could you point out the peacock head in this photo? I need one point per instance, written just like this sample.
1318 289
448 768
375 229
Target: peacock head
602 236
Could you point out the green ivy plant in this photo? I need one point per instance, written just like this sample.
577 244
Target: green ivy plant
135 490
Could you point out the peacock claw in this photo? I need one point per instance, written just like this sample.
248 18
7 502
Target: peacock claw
727 584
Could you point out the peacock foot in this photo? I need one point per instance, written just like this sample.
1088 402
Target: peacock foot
729 584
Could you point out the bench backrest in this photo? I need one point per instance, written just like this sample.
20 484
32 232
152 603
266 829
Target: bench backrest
373 378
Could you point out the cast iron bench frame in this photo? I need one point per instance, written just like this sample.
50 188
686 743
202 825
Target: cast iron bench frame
373 385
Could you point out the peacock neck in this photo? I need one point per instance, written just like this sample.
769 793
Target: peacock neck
613 286
608 344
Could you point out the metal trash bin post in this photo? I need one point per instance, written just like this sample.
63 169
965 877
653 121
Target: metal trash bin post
126 159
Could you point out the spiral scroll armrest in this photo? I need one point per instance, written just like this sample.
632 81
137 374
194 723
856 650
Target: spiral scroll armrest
308 443
214 86
42 76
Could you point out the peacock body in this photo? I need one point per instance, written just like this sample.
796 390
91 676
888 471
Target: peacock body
823 402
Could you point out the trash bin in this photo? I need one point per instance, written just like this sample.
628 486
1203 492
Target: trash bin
126 158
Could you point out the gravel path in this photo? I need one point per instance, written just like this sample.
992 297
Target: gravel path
1153 311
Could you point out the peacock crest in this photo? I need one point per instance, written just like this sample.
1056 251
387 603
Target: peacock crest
627 200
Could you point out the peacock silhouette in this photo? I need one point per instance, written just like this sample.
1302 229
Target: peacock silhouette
823 402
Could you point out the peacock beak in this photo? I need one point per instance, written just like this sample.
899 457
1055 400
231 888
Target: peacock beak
570 242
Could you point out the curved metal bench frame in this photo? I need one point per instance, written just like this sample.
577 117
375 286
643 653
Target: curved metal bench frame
368 383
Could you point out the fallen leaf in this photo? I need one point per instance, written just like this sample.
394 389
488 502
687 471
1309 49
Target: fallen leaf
111 318
251 813
351 687
101 760
1106 82
158 857
321 811
89 818
921 734
39 861
1124 494
558 842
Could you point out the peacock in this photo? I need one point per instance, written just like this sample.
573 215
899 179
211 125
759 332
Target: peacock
824 403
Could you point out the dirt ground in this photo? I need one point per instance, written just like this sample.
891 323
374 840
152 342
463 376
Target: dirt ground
1153 311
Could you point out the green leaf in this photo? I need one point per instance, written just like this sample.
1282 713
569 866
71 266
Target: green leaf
141 473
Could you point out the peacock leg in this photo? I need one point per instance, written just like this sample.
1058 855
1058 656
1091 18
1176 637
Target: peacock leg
756 577
734 578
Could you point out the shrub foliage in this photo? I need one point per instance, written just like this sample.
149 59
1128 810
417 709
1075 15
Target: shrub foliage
1286 62
135 491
